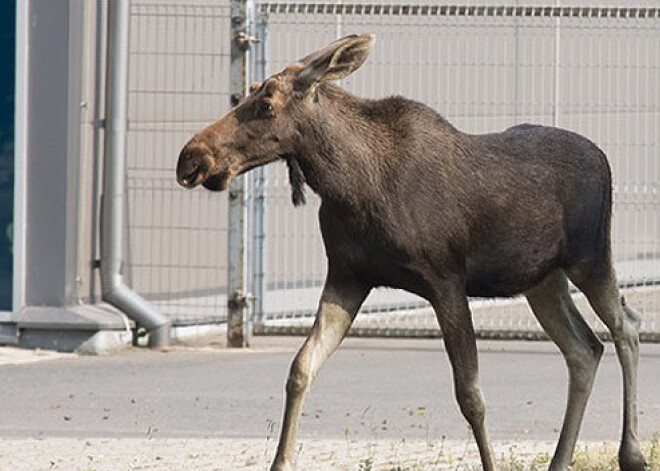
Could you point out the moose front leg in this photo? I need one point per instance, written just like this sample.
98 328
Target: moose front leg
341 299
453 312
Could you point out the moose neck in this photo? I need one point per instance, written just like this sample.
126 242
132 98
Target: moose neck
343 153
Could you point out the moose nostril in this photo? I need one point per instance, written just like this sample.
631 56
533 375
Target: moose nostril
188 176
191 173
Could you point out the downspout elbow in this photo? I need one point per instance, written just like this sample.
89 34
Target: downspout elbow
122 297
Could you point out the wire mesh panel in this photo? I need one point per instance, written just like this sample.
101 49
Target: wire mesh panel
591 70
178 83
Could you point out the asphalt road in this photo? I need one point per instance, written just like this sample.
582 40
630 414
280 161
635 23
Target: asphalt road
370 389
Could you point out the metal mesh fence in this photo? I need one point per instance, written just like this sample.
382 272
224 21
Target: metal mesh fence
591 70
177 240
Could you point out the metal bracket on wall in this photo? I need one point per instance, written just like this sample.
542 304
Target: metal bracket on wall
237 300
244 40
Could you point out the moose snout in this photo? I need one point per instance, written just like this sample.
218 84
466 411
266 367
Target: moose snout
193 167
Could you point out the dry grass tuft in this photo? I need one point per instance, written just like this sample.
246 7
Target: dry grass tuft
604 457
601 457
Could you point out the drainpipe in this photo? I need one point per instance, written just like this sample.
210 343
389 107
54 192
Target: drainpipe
113 287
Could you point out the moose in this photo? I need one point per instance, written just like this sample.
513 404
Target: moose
408 201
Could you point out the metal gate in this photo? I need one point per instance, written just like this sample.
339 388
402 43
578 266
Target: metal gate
591 70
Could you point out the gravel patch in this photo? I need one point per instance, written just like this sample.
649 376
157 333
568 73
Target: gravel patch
248 454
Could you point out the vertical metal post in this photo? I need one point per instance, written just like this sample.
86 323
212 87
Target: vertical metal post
259 191
20 155
517 70
339 26
557 77
97 153
237 325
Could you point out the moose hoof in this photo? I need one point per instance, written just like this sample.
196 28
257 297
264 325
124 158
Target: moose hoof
631 459
281 467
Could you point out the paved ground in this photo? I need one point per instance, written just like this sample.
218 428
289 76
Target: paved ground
224 406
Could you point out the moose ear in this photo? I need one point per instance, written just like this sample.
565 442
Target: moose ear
335 61
254 87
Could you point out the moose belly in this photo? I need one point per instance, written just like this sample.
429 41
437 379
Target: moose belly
511 270
502 284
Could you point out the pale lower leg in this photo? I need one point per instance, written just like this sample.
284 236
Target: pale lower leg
471 402
623 323
336 312
555 311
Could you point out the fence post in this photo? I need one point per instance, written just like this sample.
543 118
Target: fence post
557 71
259 190
237 325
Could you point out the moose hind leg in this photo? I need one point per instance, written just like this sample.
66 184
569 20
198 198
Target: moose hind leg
340 302
455 322
602 291
553 307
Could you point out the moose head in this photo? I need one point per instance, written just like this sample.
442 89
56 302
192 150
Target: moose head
265 126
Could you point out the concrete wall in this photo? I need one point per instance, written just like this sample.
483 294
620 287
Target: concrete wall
53 152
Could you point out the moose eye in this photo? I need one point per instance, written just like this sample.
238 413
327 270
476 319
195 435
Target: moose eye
265 109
